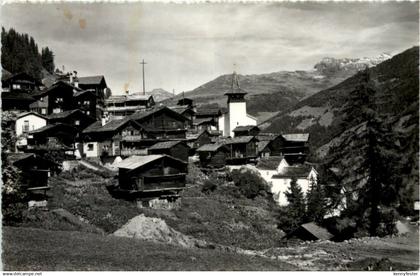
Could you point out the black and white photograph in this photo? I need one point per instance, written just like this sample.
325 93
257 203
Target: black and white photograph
210 136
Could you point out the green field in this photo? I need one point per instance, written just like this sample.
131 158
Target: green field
37 249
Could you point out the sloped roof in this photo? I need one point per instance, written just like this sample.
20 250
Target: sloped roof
301 171
164 145
136 161
80 93
198 134
210 147
141 115
269 163
209 111
127 98
240 140
200 121
319 232
31 113
110 126
267 136
15 157
54 86
21 96
297 137
62 115
181 109
91 79
51 126
261 145
245 128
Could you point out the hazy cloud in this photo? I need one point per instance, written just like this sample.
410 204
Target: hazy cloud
188 45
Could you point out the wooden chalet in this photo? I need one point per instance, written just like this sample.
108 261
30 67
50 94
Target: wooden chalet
177 149
213 155
293 146
162 123
20 82
150 176
17 100
208 115
246 131
56 99
196 140
98 86
35 172
75 118
105 139
85 101
186 102
242 150
125 105
53 137
185 111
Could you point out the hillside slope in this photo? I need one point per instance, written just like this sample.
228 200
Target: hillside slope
278 91
325 116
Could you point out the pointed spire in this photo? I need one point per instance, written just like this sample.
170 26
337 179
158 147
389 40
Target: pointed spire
235 81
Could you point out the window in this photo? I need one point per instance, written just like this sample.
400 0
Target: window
25 126
41 99
86 102
88 112
57 110
58 100
77 122
16 86
90 147
43 111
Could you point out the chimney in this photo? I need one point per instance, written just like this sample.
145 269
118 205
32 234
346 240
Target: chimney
71 78
103 121
75 79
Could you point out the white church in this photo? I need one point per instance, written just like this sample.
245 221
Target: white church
236 115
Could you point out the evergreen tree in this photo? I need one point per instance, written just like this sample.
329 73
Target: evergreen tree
296 208
370 165
316 203
20 53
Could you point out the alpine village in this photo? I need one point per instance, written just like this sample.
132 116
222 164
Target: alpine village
223 177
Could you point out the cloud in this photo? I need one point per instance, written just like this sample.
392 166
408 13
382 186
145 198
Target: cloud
188 45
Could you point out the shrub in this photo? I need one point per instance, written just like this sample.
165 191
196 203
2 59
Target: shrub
208 187
249 183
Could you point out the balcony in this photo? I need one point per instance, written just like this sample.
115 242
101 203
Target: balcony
129 152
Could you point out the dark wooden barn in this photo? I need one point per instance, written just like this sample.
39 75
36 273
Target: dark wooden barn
98 86
196 140
213 155
162 122
20 82
75 118
177 149
19 101
151 176
35 172
186 102
242 149
246 131
58 98
85 101
53 136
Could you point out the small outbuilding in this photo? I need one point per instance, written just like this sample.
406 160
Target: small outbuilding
213 155
310 232
246 131
177 149
151 175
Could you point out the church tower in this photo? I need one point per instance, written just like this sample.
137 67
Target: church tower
236 115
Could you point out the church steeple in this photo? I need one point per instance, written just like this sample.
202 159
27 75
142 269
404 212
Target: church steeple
236 94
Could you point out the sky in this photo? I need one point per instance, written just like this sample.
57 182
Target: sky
187 45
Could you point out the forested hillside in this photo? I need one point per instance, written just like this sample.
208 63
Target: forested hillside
20 53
